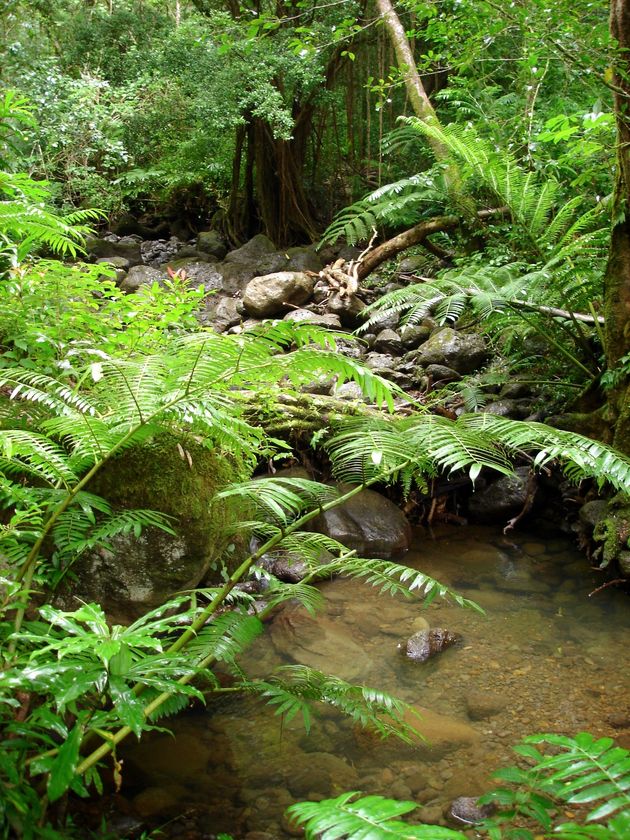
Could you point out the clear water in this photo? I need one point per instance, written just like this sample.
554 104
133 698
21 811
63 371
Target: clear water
545 657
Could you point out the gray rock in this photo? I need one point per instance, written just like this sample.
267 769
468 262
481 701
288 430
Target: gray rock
368 523
465 811
463 352
191 253
301 316
502 499
386 322
290 570
388 341
212 243
349 391
120 265
349 309
273 294
413 336
228 312
141 275
157 252
418 264
302 259
260 255
441 373
114 246
428 643
593 512
507 408
379 362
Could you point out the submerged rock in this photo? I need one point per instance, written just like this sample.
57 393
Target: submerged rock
465 811
427 643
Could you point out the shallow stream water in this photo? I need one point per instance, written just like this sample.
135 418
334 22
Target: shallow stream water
546 657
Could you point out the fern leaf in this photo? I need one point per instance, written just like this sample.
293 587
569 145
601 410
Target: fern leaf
372 817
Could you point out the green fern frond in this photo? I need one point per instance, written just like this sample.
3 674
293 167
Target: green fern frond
225 637
579 456
374 817
280 499
295 687
395 579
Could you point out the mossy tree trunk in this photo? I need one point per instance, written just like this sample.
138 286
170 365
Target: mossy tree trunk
617 278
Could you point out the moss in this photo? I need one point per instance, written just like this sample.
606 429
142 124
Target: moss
179 477
613 533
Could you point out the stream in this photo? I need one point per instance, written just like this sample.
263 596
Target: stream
546 657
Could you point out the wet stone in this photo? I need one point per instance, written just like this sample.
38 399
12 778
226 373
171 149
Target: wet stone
427 643
483 704
465 811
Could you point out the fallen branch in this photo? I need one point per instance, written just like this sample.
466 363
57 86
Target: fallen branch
417 235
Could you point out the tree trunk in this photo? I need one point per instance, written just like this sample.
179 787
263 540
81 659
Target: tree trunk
617 277
418 97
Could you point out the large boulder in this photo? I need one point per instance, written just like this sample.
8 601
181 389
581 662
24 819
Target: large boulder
135 574
319 643
273 294
463 352
368 523
259 253
212 243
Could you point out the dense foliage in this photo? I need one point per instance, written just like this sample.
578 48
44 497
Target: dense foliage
268 117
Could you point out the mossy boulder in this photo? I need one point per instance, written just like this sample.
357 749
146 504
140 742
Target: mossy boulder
180 478
612 533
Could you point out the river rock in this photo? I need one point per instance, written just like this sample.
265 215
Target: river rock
502 499
368 523
212 243
463 352
465 811
320 644
413 335
221 312
157 252
111 245
305 316
438 735
323 773
137 573
120 266
441 373
388 341
273 294
427 643
592 513
141 275
260 254
483 704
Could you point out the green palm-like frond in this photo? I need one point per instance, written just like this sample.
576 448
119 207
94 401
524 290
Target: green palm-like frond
295 687
579 456
357 817
395 579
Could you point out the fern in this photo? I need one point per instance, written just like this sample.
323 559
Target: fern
580 770
373 817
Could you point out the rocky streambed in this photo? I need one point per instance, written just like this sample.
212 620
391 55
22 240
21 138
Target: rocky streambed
545 657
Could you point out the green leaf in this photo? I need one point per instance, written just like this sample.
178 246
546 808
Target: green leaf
64 765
